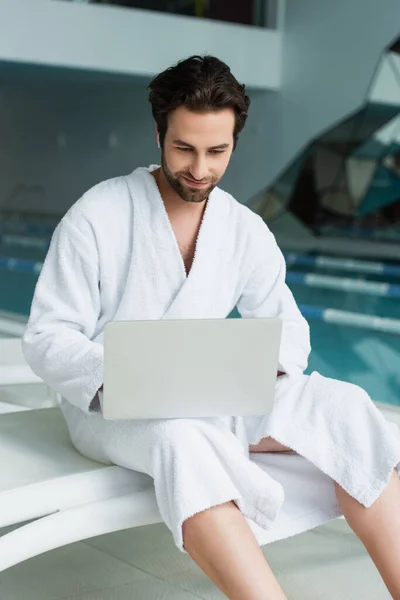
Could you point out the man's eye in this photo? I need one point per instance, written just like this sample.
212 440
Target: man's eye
184 149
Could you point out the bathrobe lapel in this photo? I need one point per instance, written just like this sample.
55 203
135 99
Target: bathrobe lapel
191 300
184 296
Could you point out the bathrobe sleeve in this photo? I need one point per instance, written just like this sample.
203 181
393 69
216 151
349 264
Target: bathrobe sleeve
65 308
267 295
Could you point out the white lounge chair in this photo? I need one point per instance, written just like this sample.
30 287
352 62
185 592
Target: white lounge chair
44 481
20 388
69 497
13 368
55 495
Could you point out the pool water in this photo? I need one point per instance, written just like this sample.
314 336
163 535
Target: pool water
364 357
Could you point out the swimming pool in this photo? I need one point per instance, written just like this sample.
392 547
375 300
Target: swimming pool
361 356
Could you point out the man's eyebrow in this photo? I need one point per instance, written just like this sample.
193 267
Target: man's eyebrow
182 143
219 147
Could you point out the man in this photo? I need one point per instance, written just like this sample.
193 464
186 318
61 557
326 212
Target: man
166 242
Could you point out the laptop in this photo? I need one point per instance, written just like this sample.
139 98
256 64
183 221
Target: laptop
190 368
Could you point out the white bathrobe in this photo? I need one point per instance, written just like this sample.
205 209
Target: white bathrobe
114 256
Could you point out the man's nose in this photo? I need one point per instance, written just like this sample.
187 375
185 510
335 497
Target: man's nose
199 168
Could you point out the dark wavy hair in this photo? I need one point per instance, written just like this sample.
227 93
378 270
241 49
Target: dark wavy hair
201 84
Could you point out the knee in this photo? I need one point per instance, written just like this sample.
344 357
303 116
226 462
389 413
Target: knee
198 436
335 392
178 433
201 525
356 398
357 392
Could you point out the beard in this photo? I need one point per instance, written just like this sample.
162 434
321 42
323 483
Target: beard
183 190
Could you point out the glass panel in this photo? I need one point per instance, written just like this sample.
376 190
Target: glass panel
335 212
395 47
245 12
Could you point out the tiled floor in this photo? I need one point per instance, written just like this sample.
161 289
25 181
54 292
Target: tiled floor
328 563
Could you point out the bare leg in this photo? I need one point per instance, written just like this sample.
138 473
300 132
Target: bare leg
220 541
268 444
378 527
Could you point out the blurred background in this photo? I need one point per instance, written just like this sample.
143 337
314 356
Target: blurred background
319 160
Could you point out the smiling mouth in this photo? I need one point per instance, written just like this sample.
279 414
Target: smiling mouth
195 184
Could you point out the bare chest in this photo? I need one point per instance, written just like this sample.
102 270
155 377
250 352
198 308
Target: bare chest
186 236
